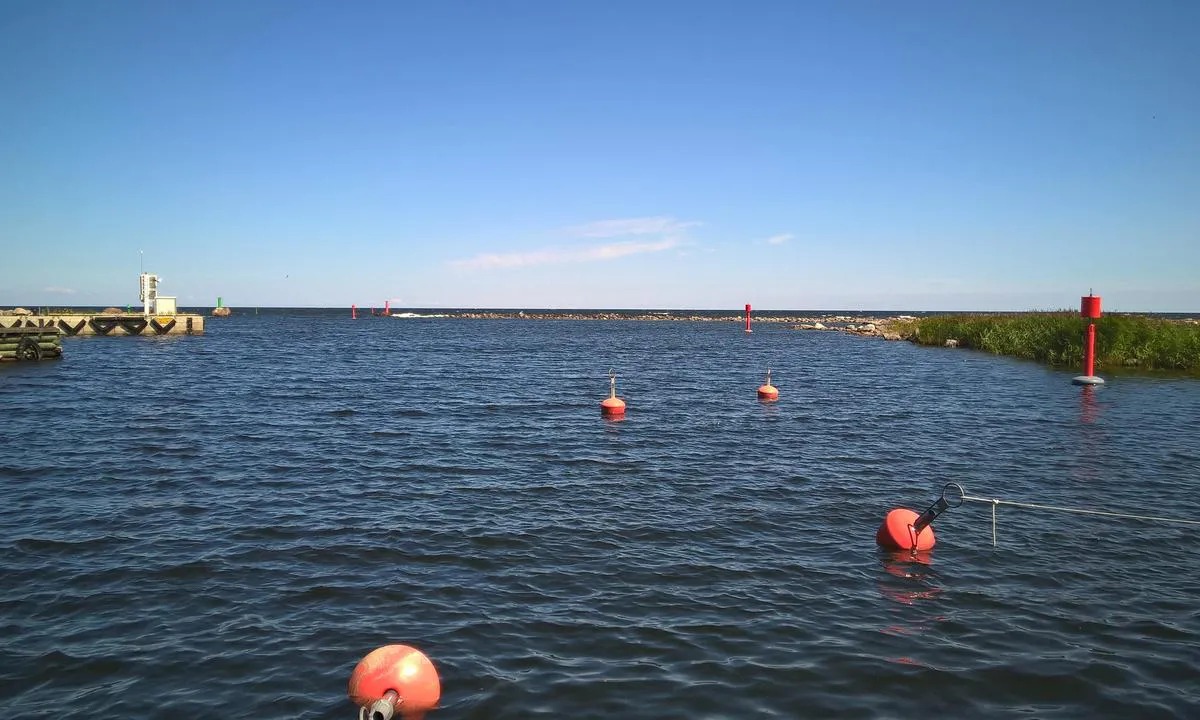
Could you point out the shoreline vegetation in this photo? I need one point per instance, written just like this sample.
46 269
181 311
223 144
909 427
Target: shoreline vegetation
1123 342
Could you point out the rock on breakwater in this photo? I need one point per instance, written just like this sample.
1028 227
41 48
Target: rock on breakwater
868 326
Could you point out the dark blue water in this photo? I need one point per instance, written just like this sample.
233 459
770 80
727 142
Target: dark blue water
222 526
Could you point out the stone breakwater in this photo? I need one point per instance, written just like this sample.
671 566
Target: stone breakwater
883 327
869 326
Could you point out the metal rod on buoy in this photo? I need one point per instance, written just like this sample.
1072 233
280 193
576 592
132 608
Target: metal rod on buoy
1089 307
748 318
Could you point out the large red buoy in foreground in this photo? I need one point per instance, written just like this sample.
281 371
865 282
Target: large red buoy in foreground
897 532
904 529
767 391
612 406
395 679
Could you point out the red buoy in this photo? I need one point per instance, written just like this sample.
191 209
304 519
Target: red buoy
612 406
904 529
897 532
395 678
767 391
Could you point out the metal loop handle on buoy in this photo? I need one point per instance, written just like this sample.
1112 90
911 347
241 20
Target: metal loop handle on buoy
382 709
939 506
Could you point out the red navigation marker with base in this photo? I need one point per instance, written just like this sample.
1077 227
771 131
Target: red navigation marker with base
1089 307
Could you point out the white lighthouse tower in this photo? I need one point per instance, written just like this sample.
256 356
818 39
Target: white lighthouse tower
153 303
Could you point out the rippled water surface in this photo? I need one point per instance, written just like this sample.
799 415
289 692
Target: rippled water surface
222 526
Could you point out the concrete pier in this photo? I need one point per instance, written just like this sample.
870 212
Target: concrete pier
108 324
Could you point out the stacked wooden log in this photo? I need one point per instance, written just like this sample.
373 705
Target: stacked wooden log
30 343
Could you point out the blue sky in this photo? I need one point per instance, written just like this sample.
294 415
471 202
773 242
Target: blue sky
793 155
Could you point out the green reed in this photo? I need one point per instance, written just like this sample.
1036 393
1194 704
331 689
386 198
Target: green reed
1057 338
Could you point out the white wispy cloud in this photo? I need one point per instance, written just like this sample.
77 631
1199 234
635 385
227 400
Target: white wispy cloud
509 260
59 290
669 232
779 239
610 251
662 225
628 247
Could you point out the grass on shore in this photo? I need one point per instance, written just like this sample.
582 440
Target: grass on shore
1057 338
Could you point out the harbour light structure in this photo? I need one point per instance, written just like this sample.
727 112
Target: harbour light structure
152 302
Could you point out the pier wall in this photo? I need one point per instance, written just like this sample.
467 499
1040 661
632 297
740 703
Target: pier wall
109 324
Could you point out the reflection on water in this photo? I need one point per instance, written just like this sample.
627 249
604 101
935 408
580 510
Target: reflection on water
910 581
1089 409
1091 439
770 408
909 577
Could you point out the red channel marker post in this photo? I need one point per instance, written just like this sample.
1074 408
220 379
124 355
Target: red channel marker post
748 317
1089 307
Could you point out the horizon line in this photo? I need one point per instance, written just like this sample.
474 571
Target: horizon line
740 311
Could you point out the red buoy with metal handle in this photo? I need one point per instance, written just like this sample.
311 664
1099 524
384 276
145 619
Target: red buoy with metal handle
394 679
904 529
612 406
767 391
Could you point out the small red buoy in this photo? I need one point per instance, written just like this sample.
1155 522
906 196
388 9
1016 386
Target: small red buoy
767 391
897 532
395 678
612 406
